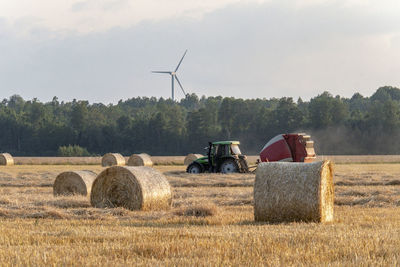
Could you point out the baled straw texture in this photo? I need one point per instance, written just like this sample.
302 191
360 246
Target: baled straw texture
142 159
112 159
74 183
286 191
191 157
134 188
6 159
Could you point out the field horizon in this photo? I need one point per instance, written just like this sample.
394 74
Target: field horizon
178 160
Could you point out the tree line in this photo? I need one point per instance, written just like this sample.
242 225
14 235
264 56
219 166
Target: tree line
338 125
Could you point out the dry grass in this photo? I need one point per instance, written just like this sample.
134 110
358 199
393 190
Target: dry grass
37 228
198 210
353 159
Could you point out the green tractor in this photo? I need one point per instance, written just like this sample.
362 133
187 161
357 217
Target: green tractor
222 156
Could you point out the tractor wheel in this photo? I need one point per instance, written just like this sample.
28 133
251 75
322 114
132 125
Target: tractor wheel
195 167
229 166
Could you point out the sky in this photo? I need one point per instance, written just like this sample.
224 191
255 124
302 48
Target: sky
105 50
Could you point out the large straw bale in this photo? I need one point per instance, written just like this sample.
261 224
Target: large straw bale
142 159
6 159
134 188
191 157
286 191
112 159
74 183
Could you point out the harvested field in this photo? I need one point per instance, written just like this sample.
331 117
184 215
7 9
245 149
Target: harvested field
178 160
352 159
211 223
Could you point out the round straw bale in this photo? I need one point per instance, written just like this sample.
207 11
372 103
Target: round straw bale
74 183
112 159
134 188
142 159
6 159
285 191
191 157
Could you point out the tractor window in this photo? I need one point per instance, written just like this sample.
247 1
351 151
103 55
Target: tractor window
235 150
220 151
214 150
226 151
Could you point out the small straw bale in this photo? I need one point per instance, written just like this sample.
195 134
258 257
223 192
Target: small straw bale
6 159
133 188
142 159
74 183
112 159
285 191
191 157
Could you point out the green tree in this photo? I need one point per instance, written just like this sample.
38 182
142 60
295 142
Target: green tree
325 111
72 151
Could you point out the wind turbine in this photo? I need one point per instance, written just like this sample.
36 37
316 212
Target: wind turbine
173 77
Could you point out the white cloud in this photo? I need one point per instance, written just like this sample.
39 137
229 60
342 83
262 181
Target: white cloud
85 16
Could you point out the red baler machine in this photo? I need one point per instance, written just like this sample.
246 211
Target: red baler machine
296 147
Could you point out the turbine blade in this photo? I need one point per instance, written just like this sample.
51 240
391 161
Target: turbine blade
177 67
176 77
169 72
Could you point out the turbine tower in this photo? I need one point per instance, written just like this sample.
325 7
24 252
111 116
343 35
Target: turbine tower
174 76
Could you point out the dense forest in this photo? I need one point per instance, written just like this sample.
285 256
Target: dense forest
356 125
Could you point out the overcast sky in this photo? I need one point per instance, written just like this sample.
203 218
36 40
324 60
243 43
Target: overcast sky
105 50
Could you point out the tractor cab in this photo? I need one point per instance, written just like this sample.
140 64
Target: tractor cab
225 148
222 156
221 150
